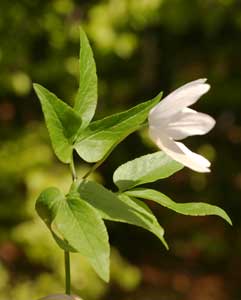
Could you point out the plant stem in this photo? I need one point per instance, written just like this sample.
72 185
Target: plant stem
66 253
67 272
72 168
93 168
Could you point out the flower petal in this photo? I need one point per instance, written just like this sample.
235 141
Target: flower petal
183 97
180 152
190 84
189 122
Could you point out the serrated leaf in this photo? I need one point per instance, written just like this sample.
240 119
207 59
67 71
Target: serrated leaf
144 169
99 139
120 208
62 122
76 227
192 209
86 98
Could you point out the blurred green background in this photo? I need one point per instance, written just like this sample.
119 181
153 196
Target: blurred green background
141 47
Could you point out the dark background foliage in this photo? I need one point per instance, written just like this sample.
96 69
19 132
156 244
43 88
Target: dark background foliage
141 47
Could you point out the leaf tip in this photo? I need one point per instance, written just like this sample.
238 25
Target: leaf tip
159 95
35 85
229 220
82 33
106 277
165 244
226 217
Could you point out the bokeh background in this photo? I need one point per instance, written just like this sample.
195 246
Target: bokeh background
141 47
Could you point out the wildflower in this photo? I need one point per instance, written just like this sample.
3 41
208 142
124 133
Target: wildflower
172 120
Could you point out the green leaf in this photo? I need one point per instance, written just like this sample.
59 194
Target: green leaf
83 228
62 122
192 209
86 98
99 139
120 208
76 226
144 169
47 206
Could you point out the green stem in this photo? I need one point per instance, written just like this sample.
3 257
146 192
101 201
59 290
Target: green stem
67 272
66 253
94 167
72 168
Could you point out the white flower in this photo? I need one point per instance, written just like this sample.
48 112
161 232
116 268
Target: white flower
60 297
172 120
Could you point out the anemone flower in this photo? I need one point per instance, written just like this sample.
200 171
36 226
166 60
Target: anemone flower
171 120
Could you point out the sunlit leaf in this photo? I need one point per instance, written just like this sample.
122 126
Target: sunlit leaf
120 208
77 227
62 122
86 98
82 227
192 208
97 141
144 169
